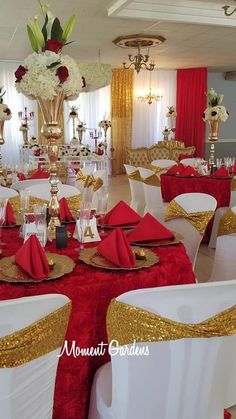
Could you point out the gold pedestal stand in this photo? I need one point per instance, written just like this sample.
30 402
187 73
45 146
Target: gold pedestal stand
213 137
2 141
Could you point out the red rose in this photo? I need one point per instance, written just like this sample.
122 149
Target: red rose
20 72
7 111
62 73
53 45
83 82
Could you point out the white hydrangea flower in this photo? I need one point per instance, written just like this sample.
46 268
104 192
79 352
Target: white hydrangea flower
4 116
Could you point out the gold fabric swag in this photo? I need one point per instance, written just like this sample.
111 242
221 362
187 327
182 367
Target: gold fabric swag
126 324
199 220
121 114
35 340
72 201
227 223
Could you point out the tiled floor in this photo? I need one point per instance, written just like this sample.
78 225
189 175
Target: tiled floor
119 189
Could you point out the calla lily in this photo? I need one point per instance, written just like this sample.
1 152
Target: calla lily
68 28
38 34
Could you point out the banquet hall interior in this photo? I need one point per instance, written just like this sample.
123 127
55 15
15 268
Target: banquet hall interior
118 209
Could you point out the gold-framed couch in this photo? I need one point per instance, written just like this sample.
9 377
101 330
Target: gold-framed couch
143 156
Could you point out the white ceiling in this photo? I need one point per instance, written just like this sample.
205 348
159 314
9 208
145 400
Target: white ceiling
197 32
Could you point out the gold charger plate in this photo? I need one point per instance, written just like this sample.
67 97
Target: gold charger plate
11 272
165 242
91 257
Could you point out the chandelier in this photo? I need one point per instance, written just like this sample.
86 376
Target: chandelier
150 97
139 41
226 8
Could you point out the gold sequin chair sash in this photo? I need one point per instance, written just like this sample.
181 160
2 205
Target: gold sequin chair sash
89 180
233 184
152 180
199 219
135 176
159 170
35 340
126 324
73 202
227 223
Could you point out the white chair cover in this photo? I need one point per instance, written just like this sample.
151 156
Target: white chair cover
180 379
136 191
7 192
42 191
191 161
224 265
28 183
219 213
191 202
163 163
153 199
26 391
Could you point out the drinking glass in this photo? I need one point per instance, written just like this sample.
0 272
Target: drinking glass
3 205
218 163
84 218
40 222
102 210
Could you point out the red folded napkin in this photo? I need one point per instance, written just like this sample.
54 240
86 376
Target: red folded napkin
189 171
117 250
227 415
177 169
39 174
185 156
21 176
65 214
149 229
233 169
121 214
31 258
9 217
221 172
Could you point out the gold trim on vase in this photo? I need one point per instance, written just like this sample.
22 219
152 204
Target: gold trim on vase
35 340
227 223
199 219
127 324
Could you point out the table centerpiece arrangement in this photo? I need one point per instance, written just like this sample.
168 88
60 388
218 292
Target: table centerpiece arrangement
105 124
50 77
214 114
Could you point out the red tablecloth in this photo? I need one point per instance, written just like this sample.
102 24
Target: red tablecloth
91 291
220 188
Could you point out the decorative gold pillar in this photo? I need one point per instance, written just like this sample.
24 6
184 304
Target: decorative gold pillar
121 115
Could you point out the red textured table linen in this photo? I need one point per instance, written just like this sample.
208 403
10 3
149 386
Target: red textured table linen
91 291
220 188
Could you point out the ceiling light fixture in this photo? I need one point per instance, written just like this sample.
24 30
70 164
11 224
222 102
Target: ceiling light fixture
150 97
226 8
139 41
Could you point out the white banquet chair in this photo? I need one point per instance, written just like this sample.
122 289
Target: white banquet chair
219 213
153 199
27 387
163 163
42 191
136 189
20 185
224 265
7 192
191 203
186 377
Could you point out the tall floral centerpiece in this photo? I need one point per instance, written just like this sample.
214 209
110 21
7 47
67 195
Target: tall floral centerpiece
5 115
171 116
81 128
73 115
214 114
105 124
50 77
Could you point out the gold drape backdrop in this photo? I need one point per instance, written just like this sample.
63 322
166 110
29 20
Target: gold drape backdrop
41 138
121 115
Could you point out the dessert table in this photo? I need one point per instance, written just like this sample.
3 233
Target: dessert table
220 188
91 291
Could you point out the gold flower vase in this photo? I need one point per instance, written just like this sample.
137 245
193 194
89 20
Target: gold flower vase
213 137
51 110
2 141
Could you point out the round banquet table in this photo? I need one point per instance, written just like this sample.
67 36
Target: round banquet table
220 188
91 291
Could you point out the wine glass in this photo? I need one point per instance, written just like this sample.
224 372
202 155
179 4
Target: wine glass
40 222
3 205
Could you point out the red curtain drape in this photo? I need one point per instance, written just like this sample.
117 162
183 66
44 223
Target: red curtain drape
190 104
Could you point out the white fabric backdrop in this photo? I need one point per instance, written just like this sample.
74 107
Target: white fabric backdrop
150 120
